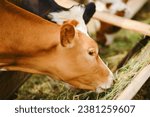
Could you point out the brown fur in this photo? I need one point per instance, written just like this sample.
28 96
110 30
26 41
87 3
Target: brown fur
32 44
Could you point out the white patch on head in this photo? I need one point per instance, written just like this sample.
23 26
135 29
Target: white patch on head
74 13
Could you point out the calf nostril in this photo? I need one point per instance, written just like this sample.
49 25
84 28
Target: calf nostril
114 81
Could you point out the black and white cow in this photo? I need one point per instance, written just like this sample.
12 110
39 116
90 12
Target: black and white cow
50 10
105 32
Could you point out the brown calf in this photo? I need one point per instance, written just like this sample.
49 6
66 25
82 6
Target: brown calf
31 44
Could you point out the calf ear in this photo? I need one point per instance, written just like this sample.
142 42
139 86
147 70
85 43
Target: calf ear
89 12
67 35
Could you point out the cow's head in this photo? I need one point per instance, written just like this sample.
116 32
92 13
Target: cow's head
78 62
77 12
45 7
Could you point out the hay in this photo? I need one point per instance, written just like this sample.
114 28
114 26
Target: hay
129 71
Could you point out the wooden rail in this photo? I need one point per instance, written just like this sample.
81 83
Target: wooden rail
123 22
135 84
134 6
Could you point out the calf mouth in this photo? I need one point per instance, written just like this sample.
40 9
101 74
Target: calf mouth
102 87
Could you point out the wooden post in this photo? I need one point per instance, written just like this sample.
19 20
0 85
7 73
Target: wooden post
135 84
134 6
10 81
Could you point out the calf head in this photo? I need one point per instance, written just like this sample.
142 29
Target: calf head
78 62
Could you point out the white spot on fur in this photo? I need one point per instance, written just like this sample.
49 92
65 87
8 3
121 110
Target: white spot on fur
75 13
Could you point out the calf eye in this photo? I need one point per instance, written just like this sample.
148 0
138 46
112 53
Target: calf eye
91 52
